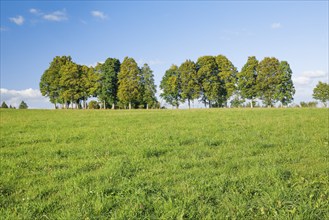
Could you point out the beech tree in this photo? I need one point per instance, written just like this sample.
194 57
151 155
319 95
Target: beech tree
189 83
171 86
208 79
285 87
321 92
268 80
228 76
128 78
70 83
90 83
50 79
108 93
148 86
247 79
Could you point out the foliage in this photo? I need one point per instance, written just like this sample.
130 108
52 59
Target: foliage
286 89
50 79
268 80
247 79
70 83
93 105
4 105
321 92
148 87
228 76
208 79
308 104
129 81
171 86
189 82
109 81
212 79
89 83
23 105
258 164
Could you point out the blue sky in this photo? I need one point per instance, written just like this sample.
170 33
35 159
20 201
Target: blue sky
160 34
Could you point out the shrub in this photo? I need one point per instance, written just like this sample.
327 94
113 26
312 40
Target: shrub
93 105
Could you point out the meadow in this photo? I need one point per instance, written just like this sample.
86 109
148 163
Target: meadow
164 164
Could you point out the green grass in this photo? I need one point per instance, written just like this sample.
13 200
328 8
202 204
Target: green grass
163 164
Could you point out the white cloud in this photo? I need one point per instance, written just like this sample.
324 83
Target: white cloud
35 11
314 74
32 97
302 80
19 20
56 16
99 14
307 77
276 25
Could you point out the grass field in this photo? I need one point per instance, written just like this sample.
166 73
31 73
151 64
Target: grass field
163 164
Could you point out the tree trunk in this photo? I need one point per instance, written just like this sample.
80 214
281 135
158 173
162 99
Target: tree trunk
113 106
189 103
177 106
252 103
147 106
72 103
55 105
129 105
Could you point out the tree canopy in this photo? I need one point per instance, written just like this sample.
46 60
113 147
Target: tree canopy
23 105
212 80
321 92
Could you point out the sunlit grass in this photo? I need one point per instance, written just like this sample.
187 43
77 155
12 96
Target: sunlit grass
197 164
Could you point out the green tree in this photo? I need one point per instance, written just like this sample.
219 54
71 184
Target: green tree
90 83
247 79
70 83
108 92
4 105
23 105
228 75
285 87
189 81
268 80
171 86
208 79
50 80
148 86
321 92
129 79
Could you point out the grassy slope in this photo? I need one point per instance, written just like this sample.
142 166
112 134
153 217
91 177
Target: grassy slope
219 163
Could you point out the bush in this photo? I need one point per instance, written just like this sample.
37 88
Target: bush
308 104
93 105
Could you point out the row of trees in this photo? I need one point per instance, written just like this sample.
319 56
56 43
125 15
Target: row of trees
113 83
214 80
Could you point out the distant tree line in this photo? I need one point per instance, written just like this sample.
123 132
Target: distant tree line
22 105
214 80
115 84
